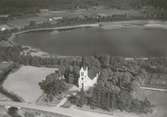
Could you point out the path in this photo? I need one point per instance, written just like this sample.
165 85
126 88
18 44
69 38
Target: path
53 28
72 91
72 112
62 102
154 89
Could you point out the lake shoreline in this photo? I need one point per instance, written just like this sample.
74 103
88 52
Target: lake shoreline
117 24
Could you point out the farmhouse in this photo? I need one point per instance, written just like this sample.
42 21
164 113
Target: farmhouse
54 19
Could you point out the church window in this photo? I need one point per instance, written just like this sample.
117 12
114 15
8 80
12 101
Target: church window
82 73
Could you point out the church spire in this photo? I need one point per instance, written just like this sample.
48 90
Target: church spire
83 63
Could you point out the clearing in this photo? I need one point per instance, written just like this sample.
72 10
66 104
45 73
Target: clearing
24 82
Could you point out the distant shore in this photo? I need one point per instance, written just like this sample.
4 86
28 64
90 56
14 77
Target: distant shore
135 23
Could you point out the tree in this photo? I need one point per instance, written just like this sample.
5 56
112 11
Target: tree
13 112
28 114
53 85
32 23
105 60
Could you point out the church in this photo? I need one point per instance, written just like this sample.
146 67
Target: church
85 81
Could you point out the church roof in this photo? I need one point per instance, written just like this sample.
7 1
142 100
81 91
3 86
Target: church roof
92 73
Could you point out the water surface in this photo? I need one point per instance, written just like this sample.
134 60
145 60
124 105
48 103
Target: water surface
132 41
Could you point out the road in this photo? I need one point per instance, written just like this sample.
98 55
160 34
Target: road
154 89
54 28
62 102
72 112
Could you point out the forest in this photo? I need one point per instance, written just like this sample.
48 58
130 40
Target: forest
117 81
18 7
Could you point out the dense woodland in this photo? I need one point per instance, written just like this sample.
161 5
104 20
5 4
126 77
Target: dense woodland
17 7
116 84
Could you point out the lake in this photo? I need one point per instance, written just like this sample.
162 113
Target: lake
127 41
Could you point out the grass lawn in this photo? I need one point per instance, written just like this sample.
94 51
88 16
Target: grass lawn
24 82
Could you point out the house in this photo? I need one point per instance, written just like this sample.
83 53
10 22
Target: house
55 19
5 27
84 81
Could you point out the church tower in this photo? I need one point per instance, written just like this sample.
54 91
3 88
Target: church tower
84 82
83 77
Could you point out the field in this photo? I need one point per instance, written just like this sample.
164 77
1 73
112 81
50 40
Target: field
158 99
24 82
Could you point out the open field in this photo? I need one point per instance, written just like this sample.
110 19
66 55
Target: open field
158 99
24 82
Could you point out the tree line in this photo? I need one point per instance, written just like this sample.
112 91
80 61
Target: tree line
114 87
116 84
32 6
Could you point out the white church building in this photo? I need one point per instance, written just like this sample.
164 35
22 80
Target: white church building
84 81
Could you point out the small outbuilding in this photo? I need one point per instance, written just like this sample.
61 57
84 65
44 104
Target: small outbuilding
5 27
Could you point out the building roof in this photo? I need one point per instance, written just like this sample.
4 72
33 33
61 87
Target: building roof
4 27
92 73
4 16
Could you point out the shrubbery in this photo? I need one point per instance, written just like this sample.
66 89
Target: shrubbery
53 85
